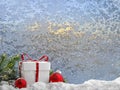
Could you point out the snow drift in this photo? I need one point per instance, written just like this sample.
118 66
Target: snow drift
88 85
81 37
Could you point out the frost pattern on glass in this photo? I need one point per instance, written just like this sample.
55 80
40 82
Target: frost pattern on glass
81 37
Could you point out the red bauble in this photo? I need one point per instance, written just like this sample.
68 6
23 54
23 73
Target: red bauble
20 83
56 77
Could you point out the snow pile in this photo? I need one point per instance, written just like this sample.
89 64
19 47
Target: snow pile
88 85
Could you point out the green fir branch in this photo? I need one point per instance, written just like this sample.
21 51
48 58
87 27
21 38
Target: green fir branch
7 66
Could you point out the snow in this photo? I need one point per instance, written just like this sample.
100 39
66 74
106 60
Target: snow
88 85
91 50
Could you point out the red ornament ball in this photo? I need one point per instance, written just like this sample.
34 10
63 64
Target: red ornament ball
56 77
20 83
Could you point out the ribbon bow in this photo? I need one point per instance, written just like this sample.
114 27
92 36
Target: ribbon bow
43 58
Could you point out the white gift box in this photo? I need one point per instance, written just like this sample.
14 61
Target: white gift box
28 71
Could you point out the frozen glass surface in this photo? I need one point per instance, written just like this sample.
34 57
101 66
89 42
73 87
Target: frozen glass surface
81 37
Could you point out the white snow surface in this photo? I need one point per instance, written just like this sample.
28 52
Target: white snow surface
88 85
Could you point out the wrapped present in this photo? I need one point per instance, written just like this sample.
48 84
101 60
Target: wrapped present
34 70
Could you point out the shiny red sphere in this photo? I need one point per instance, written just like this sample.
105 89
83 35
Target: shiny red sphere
20 83
56 77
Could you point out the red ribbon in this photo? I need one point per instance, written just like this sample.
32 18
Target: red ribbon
37 72
43 58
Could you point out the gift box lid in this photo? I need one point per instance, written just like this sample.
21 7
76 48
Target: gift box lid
29 65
